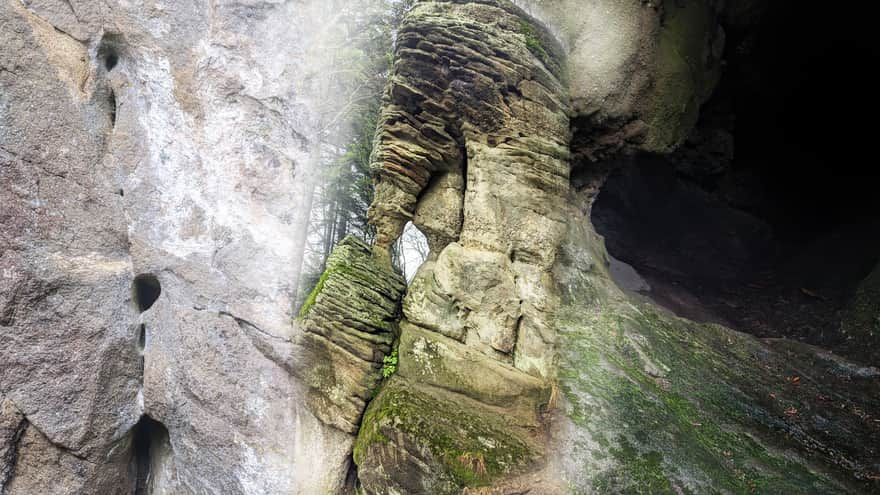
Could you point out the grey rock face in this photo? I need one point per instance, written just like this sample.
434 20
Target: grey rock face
174 140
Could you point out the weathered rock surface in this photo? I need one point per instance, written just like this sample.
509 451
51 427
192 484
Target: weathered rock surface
350 323
472 146
660 404
171 139
639 70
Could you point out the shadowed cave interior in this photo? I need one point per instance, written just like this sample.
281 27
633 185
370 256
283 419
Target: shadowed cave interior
764 220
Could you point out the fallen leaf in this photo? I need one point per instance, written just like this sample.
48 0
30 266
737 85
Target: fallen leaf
791 411
812 294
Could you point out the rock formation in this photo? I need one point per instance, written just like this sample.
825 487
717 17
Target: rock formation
156 165
472 146
170 143
350 322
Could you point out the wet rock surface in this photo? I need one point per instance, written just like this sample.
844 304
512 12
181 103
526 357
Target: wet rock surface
658 403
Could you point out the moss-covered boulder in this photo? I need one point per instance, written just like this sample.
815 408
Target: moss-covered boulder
424 440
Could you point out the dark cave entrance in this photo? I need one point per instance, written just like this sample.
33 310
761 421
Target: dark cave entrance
151 448
768 218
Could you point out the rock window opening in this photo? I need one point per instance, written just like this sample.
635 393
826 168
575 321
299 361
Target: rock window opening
410 251
146 291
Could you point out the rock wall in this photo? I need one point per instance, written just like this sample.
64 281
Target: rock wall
174 140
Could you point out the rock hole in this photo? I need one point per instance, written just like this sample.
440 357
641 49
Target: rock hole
410 251
110 61
146 291
142 337
151 448
108 50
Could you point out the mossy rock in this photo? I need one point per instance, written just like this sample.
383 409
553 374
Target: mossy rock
349 323
686 74
420 440
658 404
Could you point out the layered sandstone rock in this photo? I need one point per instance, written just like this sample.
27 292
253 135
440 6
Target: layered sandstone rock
472 146
350 323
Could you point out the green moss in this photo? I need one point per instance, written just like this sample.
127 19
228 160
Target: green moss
389 364
310 301
666 405
535 44
359 281
469 447
701 426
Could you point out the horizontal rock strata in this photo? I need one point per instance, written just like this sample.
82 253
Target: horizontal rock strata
349 322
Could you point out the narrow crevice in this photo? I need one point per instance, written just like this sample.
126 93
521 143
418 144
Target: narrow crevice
111 104
141 345
7 469
146 289
352 482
